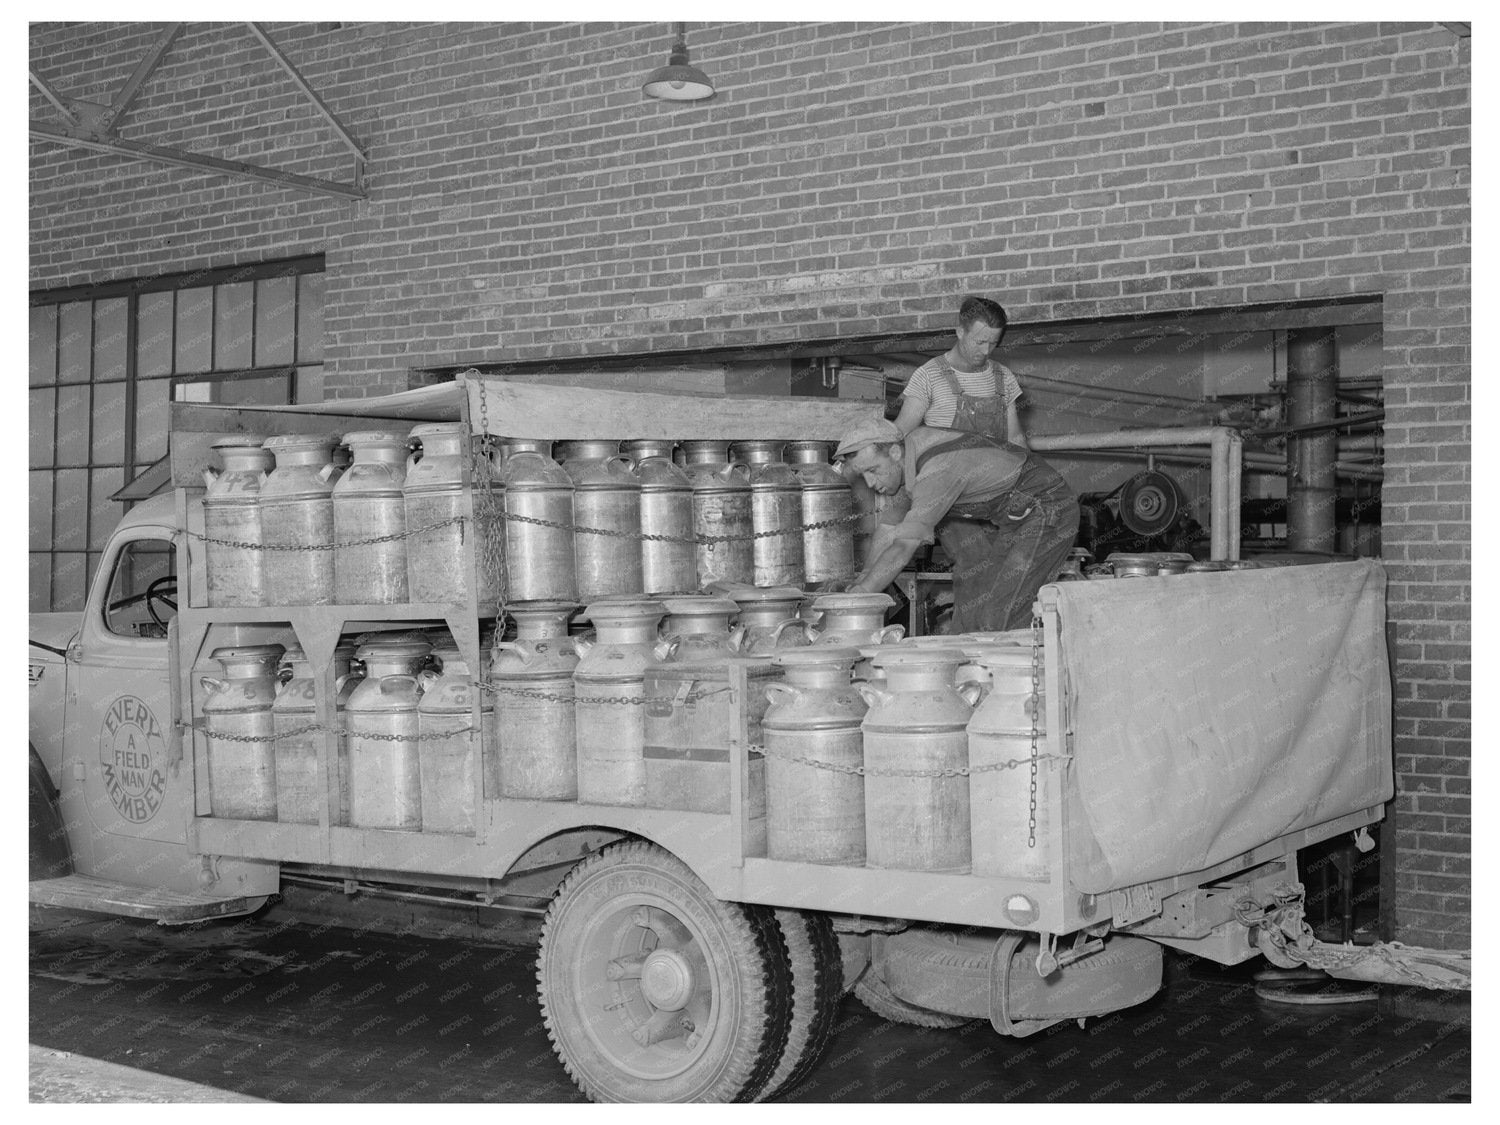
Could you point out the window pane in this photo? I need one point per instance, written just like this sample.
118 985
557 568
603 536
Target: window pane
73 426
39 508
104 513
151 418
275 320
76 341
310 288
310 384
153 335
234 318
40 599
68 576
43 344
109 424
138 565
43 409
109 338
70 509
272 390
195 312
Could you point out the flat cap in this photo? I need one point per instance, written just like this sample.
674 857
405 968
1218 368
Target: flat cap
871 431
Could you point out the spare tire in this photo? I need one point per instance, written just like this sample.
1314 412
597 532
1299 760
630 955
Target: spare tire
949 971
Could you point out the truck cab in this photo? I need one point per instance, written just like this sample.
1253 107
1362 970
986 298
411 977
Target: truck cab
103 729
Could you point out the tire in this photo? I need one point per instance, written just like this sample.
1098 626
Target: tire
817 988
872 992
702 981
950 971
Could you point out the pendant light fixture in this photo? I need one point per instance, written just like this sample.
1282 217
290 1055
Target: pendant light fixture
677 81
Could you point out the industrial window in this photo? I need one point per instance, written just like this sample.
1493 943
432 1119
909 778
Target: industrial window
105 363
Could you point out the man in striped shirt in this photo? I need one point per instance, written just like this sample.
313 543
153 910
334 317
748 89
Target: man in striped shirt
963 388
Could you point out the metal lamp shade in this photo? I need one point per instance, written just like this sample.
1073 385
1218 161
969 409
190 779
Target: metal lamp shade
678 82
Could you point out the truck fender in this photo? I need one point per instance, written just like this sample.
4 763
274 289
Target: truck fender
51 857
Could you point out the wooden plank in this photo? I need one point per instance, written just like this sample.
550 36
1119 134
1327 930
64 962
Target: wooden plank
554 413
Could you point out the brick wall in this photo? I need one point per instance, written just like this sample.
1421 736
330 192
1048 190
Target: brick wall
526 202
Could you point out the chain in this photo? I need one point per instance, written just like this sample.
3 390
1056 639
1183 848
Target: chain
633 700
486 507
391 538
314 728
655 537
1036 710
865 771
494 514
1282 926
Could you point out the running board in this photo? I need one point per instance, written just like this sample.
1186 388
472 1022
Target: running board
170 908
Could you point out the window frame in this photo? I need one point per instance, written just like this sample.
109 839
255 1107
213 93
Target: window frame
103 478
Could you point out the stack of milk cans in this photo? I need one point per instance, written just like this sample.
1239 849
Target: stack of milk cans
609 681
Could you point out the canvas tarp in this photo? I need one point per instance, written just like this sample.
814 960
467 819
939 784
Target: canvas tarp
1211 713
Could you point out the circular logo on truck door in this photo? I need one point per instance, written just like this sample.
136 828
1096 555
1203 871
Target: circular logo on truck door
133 752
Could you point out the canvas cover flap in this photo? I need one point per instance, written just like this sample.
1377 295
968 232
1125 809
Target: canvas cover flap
1211 713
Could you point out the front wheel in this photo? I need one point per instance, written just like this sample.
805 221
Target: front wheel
653 990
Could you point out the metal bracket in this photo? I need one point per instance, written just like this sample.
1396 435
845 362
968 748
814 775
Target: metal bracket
89 125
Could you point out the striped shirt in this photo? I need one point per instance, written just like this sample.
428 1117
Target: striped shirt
928 386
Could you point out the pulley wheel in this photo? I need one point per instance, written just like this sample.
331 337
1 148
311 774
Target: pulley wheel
1150 502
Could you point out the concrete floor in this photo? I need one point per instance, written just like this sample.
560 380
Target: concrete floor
287 1010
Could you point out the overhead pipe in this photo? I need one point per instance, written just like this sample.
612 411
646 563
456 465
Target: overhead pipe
1312 401
1120 394
1255 461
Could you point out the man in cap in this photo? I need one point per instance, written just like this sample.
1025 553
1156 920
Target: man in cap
1005 519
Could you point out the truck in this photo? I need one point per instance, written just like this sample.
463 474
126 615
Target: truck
1191 734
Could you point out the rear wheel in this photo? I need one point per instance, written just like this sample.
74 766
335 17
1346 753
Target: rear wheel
653 990
817 988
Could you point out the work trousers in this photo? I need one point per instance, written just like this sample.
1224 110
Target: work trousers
1003 553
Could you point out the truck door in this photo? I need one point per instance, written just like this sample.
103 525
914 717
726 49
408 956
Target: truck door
127 796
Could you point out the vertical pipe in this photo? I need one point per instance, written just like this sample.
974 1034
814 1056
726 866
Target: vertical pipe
1218 483
1236 455
1312 382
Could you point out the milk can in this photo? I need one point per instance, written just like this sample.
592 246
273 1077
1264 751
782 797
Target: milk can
385 784
296 510
668 566
1001 799
769 615
231 511
507 447
610 698
434 492
450 758
300 797
647 449
700 626
854 619
775 506
538 557
534 710
815 807
917 723
242 774
827 552
607 496
367 504
721 506
1133 566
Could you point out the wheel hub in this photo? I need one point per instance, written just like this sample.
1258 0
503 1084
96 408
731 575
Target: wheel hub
667 980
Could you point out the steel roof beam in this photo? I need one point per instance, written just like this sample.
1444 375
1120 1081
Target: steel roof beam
137 79
198 162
